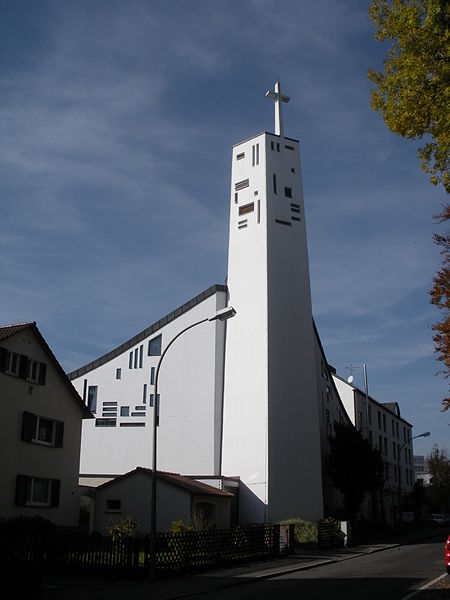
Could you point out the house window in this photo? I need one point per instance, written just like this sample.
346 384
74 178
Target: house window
41 430
12 363
288 192
154 346
124 411
113 505
37 491
92 398
118 373
247 208
36 371
105 422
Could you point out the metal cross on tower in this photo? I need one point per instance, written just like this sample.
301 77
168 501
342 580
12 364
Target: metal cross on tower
279 99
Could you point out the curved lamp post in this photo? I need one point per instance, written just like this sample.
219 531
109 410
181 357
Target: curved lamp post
426 434
221 315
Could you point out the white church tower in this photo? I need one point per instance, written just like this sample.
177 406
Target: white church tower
271 431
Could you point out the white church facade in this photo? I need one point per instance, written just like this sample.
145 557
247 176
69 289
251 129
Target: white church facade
252 397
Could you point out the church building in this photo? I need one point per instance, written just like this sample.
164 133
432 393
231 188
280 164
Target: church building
251 397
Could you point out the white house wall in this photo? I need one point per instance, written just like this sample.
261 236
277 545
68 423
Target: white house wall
190 388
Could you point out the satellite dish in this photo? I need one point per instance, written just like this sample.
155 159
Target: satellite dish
350 379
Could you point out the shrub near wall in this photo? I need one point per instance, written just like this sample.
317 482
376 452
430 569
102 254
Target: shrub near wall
305 532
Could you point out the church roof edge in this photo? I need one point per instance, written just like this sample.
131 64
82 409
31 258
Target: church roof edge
98 362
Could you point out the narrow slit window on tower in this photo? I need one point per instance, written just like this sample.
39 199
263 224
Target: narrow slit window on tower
296 218
272 145
278 147
258 211
281 222
295 207
136 354
255 155
235 197
141 354
130 362
243 225
274 183
247 208
289 147
288 192
240 156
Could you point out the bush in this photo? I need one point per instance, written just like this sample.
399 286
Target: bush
124 528
305 532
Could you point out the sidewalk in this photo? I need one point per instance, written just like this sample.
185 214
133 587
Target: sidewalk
190 585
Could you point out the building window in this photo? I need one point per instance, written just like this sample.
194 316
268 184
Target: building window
289 147
236 198
36 371
152 376
12 363
154 346
124 411
393 427
240 156
113 506
130 361
92 398
240 185
118 373
385 446
255 155
105 422
324 371
288 192
370 415
272 145
274 183
379 420
396 430
394 449
42 430
380 441
136 354
152 399
144 394
37 491
384 422
141 356
132 424
247 208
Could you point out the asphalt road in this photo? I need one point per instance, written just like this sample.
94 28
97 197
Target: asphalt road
389 575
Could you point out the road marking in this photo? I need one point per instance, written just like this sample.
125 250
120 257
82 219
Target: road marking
424 587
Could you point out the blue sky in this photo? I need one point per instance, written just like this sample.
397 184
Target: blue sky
116 126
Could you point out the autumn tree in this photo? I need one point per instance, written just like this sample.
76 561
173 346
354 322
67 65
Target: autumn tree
438 466
355 468
412 95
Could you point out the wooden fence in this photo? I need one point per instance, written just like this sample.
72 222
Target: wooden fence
176 552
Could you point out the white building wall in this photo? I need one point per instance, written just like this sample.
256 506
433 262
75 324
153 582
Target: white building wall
190 388
270 398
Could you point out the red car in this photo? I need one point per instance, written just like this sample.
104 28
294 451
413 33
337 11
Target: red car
447 554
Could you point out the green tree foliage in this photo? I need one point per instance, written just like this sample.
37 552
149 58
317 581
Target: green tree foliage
438 466
355 468
412 95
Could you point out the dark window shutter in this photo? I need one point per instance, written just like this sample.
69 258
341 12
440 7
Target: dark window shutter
28 426
23 366
59 434
54 499
3 355
42 373
21 489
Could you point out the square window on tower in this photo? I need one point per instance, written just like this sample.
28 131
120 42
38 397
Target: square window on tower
288 192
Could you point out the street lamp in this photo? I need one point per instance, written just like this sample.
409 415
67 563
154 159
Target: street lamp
426 434
221 315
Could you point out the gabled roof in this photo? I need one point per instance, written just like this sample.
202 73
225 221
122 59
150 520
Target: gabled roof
148 331
9 331
190 485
